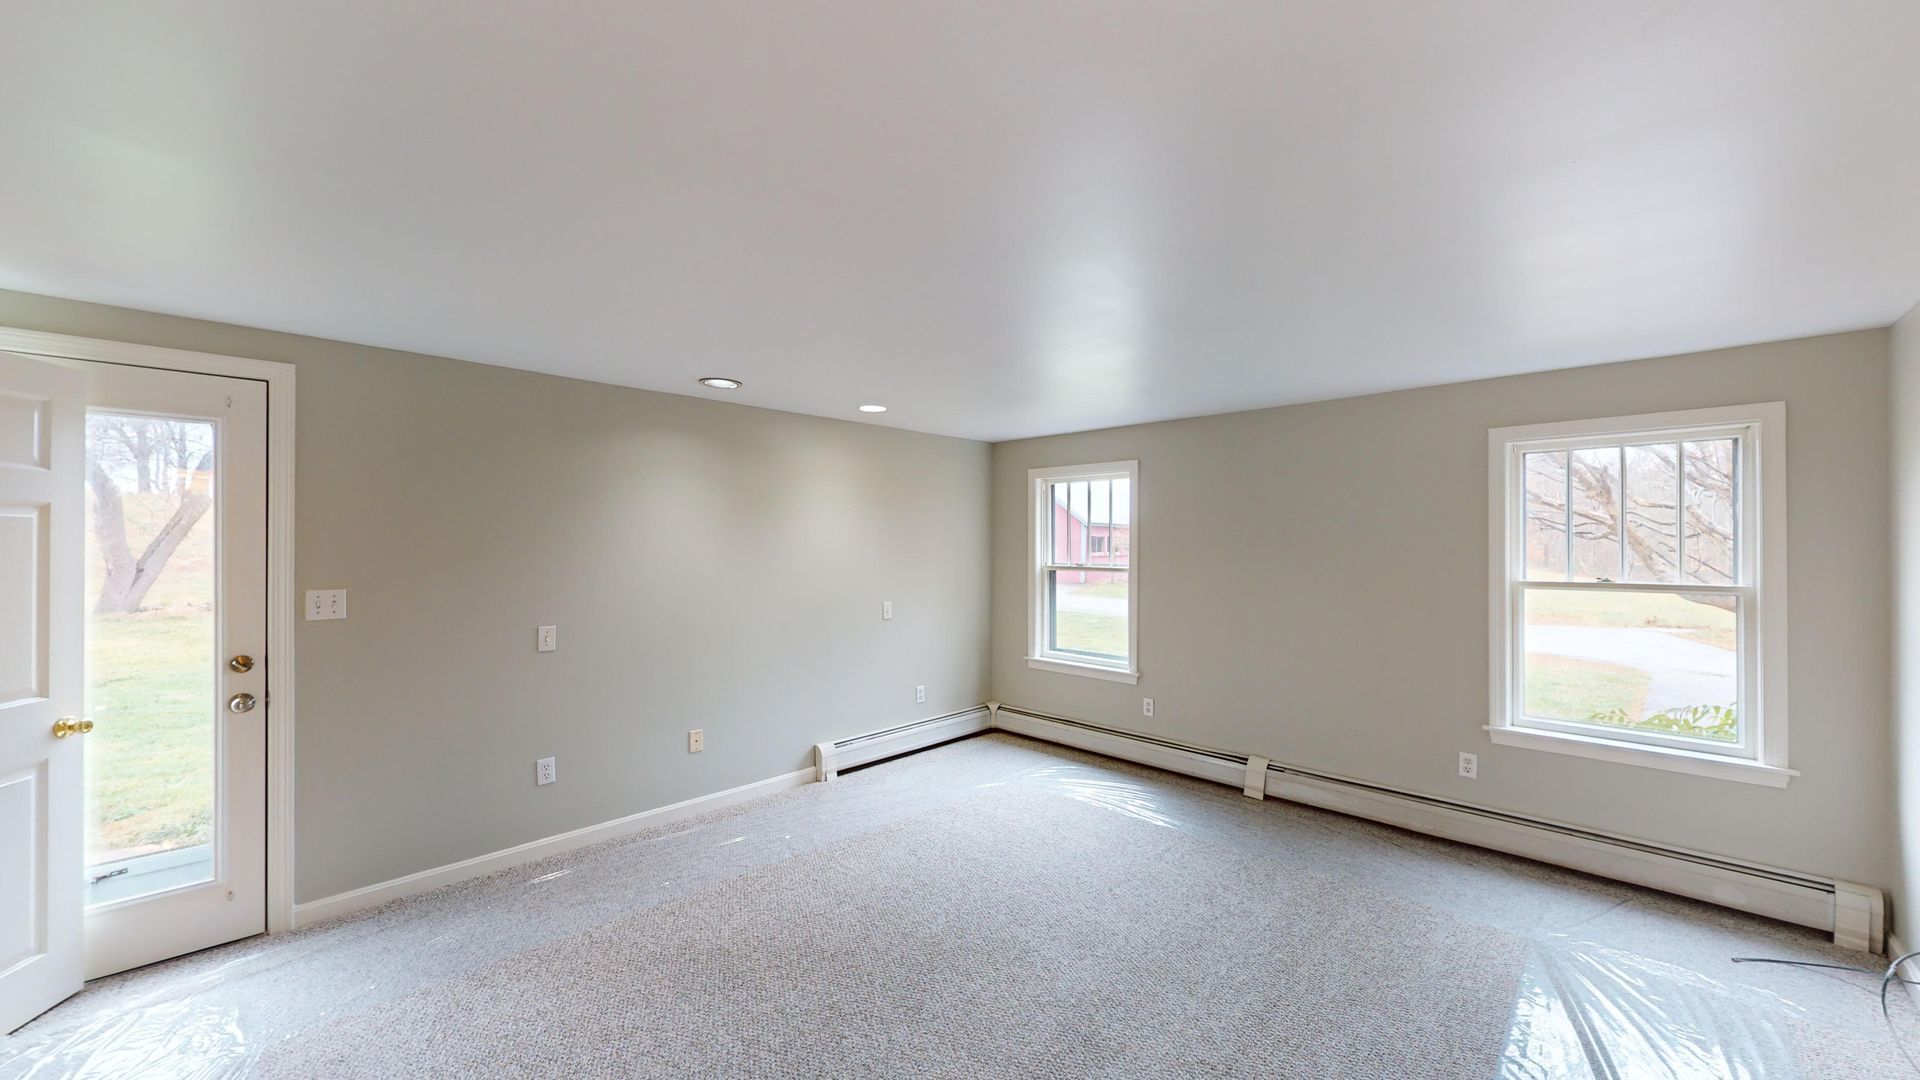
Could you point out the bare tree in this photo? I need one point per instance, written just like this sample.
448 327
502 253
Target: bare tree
135 443
1660 529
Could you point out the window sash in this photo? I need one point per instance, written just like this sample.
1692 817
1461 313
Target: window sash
1053 646
1084 548
1743 438
1747 745
1746 520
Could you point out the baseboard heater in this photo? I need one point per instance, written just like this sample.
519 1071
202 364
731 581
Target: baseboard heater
830 758
1854 914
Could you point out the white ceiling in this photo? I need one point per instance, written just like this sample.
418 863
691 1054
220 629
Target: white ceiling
998 218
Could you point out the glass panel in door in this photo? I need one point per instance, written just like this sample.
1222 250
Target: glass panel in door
152 631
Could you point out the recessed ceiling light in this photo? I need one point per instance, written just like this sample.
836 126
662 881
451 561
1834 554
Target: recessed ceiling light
719 382
873 408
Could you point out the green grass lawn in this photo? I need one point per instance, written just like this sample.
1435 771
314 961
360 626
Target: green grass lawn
1078 631
150 756
150 693
1576 607
1562 688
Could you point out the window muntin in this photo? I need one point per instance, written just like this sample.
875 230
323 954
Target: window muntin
1084 607
1630 590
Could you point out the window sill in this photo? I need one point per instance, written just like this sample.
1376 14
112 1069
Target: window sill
1091 671
1650 757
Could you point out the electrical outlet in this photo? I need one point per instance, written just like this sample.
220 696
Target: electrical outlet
549 639
543 772
1470 766
919 695
696 740
886 609
326 604
1146 706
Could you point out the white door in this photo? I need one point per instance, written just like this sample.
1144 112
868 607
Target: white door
175 673
42 465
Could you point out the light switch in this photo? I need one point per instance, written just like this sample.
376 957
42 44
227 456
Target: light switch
886 609
549 639
326 604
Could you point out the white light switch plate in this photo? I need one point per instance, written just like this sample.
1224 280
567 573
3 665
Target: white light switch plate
549 639
326 604
886 609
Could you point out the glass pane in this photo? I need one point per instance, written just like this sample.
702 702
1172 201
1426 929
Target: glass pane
1077 504
150 666
1652 497
1596 514
1089 613
1711 553
1546 523
1661 662
1099 511
1059 530
1070 522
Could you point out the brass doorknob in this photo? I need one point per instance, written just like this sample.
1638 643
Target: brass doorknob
240 703
67 725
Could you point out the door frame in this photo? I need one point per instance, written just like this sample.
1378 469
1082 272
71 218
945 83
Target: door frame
282 602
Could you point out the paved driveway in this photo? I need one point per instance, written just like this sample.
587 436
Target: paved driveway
1091 605
1684 671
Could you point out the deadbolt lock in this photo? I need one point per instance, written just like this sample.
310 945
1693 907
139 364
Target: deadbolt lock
240 703
242 663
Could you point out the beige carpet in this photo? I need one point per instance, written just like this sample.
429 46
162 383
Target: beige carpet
1012 934
998 907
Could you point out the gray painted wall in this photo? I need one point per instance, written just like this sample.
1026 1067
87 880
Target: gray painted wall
1905 398
717 566
1313 587
708 565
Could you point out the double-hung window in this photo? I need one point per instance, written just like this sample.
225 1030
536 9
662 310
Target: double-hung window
1084 539
1639 595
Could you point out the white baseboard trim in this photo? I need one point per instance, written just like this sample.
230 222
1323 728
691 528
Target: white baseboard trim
1854 914
332 907
830 758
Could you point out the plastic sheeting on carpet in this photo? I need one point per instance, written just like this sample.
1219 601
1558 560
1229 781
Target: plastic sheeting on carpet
1622 982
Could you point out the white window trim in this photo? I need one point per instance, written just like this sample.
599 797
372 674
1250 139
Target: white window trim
1039 518
1764 554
